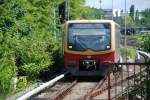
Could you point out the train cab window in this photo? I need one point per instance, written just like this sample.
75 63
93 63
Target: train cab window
93 36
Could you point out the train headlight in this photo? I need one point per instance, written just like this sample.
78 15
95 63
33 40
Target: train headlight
108 47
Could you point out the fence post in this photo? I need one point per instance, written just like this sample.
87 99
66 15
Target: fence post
147 83
109 87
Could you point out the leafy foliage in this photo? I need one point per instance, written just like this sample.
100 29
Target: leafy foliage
27 44
22 83
129 21
128 52
28 31
144 42
132 11
146 17
7 60
75 8
91 13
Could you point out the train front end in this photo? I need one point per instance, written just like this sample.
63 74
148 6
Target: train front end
87 46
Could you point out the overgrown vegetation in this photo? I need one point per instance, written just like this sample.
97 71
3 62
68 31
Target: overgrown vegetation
144 42
30 33
128 52
91 13
146 17
143 89
27 44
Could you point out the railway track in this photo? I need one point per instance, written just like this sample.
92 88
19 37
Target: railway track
115 84
67 91
99 84
81 89
61 94
56 92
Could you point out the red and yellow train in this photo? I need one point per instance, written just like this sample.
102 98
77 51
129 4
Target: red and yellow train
88 44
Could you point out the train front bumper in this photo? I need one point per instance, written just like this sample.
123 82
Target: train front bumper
102 71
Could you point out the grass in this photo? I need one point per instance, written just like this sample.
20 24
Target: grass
131 53
3 96
22 84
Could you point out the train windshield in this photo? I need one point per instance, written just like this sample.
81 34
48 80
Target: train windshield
93 36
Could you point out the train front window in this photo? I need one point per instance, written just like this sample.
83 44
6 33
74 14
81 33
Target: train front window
94 36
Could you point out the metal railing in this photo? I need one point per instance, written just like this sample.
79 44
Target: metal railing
126 81
129 81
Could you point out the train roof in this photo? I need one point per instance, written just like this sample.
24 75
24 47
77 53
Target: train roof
92 21
87 21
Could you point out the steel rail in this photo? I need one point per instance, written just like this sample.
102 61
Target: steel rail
88 96
61 94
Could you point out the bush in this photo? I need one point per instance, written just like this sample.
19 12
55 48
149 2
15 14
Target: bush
27 44
144 42
7 68
131 52
22 83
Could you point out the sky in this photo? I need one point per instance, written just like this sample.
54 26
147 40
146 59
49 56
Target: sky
119 4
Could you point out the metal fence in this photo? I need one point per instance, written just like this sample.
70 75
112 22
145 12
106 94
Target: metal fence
125 81
128 81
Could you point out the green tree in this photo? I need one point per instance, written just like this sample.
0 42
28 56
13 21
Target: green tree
7 66
27 43
146 17
137 15
27 37
75 8
129 21
91 13
143 42
132 12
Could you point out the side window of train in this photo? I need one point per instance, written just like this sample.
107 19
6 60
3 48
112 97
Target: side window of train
118 34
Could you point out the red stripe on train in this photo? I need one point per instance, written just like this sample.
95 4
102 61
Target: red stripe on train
76 57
